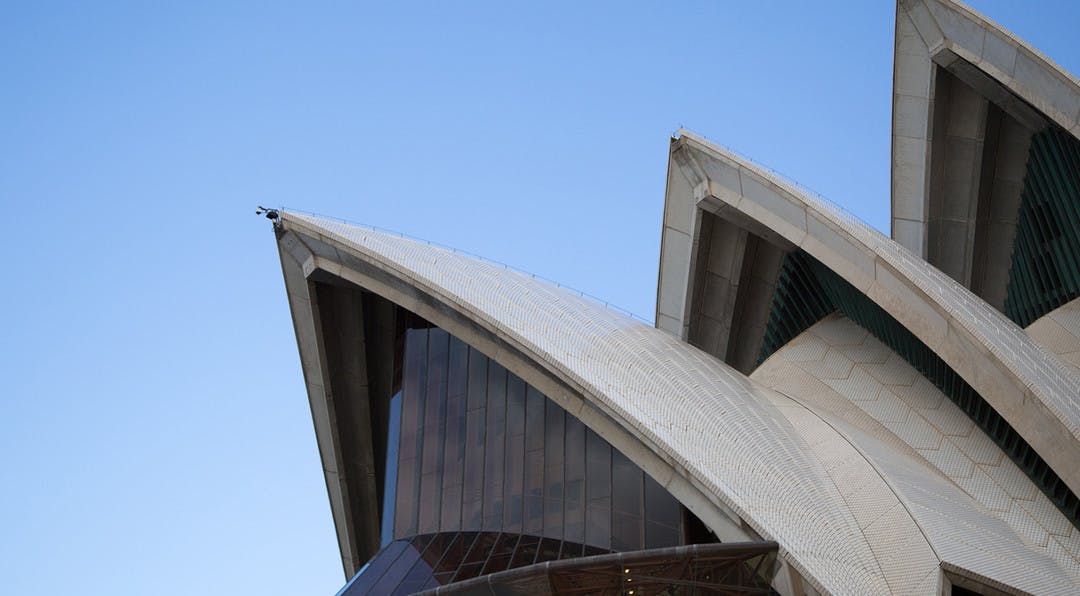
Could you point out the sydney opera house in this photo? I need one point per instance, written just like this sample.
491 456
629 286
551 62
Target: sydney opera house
819 408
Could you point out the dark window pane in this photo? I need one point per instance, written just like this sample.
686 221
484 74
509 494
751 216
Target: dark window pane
440 543
505 545
433 431
495 447
661 536
468 571
660 506
570 550
441 579
408 496
501 554
410 445
473 486
592 551
598 526
574 511
525 553
481 549
411 387
414 579
478 364
497 564
514 483
389 501
534 420
554 438
515 406
455 555
457 379
598 472
514 480
370 575
533 522
626 532
549 550
454 446
626 484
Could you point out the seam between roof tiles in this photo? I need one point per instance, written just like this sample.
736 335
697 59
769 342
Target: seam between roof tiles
997 481
870 463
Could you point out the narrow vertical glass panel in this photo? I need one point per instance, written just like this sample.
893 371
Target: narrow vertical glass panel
389 502
515 405
534 419
598 525
534 461
514 479
598 471
408 493
495 447
661 536
597 491
513 485
626 531
626 480
533 522
574 510
454 447
412 380
434 430
411 443
554 418
660 506
478 365
472 498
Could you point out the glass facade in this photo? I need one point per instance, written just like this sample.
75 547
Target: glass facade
485 474
481 450
426 562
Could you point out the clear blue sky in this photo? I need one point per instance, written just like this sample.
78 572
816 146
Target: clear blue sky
154 430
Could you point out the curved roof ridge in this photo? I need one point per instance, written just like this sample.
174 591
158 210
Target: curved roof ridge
1031 364
839 368
717 426
992 24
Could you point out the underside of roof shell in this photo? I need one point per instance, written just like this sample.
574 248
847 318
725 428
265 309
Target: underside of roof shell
1029 387
748 461
971 102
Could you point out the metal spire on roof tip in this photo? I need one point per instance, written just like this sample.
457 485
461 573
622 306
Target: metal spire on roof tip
271 214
